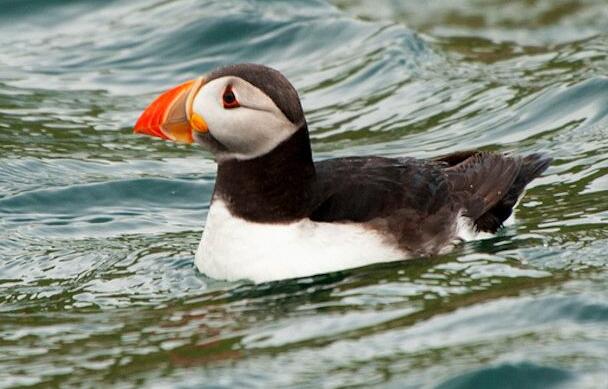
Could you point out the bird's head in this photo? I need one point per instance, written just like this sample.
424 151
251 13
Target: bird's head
239 111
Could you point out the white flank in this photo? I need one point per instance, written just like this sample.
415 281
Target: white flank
232 248
466 231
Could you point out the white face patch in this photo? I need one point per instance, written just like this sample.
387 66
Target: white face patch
253 129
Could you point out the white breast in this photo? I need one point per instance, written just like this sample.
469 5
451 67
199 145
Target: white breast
232 248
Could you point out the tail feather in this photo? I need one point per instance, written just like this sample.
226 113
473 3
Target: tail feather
532 166
490 184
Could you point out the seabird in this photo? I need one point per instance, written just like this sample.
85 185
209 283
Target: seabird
277 214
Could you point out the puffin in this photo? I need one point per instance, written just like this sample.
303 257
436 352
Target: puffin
276 213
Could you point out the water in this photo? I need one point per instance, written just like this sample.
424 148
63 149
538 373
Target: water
98 227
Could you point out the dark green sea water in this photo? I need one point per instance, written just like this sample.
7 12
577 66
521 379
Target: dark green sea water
98 227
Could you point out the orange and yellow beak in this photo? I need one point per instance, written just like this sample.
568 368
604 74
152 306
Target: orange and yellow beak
170 116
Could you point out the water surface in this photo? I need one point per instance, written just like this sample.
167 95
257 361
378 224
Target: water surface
98 227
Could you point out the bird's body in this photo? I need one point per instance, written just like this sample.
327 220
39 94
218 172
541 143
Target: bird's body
276 214
271 220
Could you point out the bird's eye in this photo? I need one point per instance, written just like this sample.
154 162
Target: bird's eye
229 99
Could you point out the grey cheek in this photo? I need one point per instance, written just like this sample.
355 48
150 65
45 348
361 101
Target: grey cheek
209 142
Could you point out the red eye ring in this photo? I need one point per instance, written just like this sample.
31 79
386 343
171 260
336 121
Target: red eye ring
229 99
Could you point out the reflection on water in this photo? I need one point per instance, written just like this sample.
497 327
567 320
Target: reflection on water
98 227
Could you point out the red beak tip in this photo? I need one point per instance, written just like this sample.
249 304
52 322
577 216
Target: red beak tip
163 117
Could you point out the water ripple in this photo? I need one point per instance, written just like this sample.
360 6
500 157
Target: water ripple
98 227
